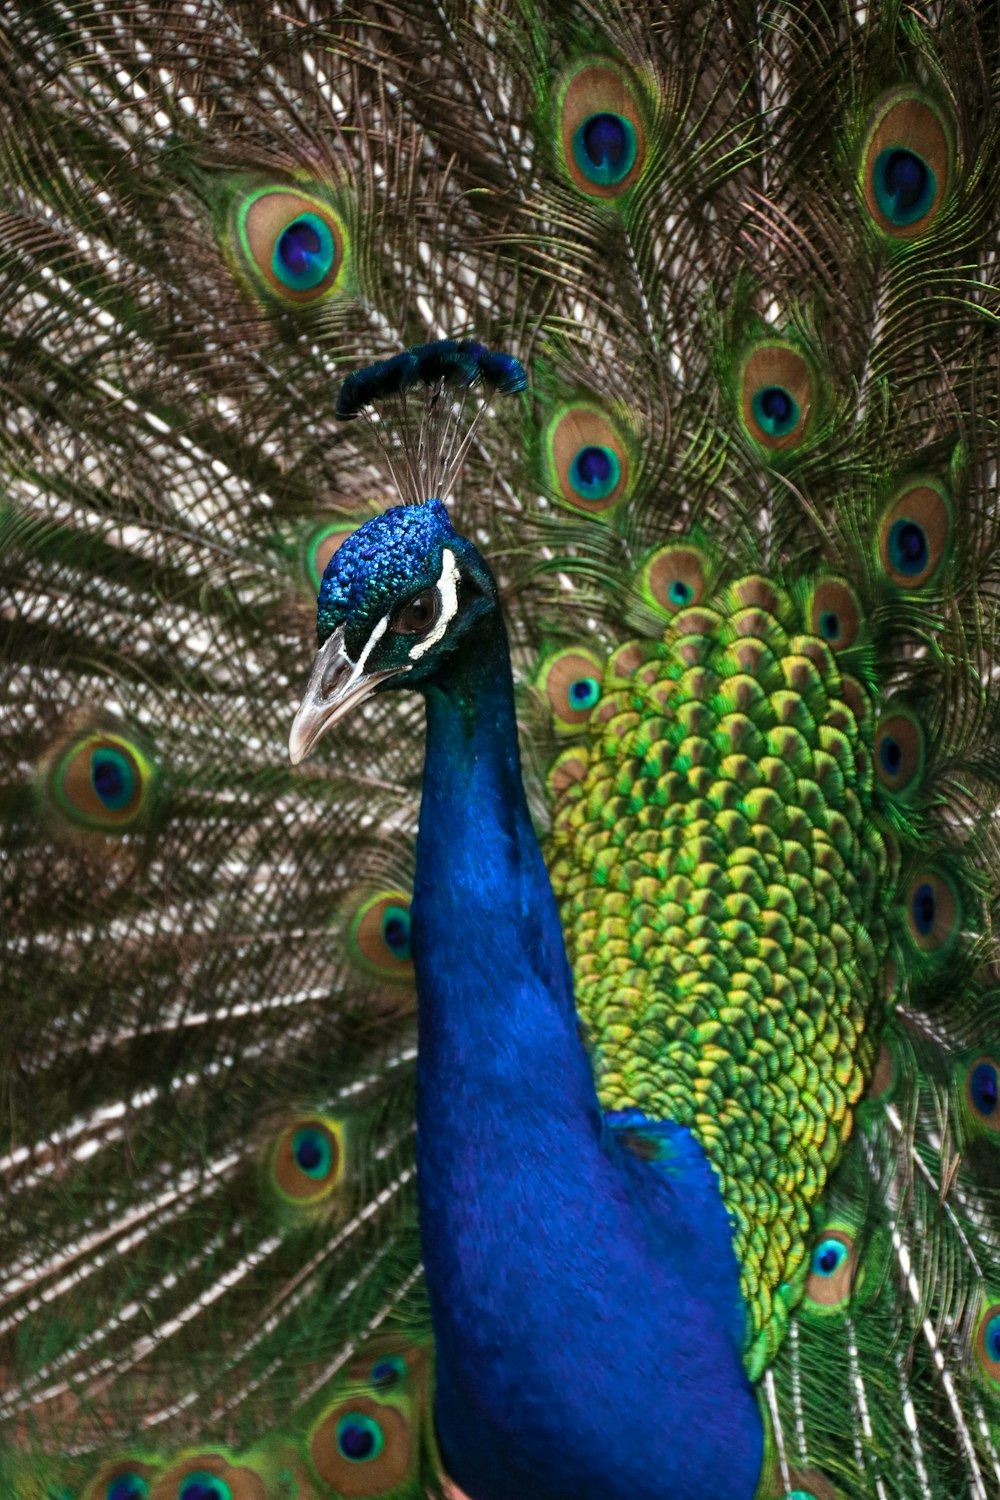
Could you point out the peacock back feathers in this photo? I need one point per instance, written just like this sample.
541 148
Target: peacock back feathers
745 525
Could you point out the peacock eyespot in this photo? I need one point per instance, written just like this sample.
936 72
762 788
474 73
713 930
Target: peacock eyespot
113 776
396 931
362 1447
388 1372
983 1087
209 1475
124 1478
808 1484
584 692
891 756
835 615
828 1257
571 681
604 148
595 472
987 1341
101 782
312 1151
991 1338
128 1486
308 1159
776 395
776 410
904 184
831 1270
982 1091
292 244
601 130
915 533
379 936
899 751
908 547
932 912
304 253
359 1437
907 164
587 460
924 907
673 577
201 1485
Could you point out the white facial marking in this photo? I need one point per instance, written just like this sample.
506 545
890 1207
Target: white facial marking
370 644
447 587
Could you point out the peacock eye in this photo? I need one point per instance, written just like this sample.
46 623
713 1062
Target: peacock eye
418 614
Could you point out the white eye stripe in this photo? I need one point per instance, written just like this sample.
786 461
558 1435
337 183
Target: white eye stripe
447 589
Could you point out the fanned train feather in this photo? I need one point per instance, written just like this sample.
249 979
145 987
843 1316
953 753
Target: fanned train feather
743 524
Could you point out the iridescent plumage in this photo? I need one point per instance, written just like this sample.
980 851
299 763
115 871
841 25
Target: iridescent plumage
743 529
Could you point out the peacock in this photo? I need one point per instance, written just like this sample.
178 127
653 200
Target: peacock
500 567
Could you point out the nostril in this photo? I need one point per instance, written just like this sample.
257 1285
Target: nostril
334 676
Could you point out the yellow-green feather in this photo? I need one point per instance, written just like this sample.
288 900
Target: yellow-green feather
723 882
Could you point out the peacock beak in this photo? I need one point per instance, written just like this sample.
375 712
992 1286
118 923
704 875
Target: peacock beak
336 685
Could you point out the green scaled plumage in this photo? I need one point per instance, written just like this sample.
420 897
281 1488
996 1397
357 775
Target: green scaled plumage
724 839
746 529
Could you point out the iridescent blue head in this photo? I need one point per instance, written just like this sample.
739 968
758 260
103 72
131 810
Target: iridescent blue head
397 599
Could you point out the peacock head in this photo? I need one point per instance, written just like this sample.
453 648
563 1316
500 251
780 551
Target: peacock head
397 599
401 594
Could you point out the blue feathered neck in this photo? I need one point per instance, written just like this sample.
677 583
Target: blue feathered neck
585 1299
